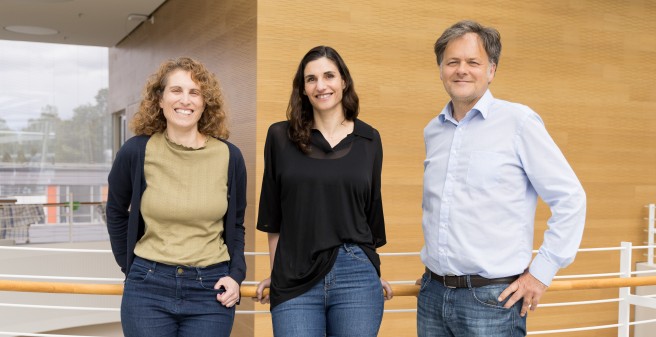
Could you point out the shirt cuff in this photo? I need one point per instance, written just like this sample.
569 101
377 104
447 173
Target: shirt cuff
543 270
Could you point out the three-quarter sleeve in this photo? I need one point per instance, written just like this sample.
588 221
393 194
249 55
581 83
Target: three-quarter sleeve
269 214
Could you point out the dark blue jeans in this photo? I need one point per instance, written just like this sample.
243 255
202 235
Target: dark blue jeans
348 302
466 312
161 300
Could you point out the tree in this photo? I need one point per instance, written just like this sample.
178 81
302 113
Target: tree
39 143
6 157
81 139
3 125
84 138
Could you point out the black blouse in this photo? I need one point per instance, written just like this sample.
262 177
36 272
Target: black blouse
318 201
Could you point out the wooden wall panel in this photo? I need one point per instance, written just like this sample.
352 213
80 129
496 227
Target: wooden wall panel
585 66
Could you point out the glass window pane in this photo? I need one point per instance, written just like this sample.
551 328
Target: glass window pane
55 131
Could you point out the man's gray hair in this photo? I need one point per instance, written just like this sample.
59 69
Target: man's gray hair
489 36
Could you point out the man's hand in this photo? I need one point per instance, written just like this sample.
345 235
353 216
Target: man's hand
526 287
230 296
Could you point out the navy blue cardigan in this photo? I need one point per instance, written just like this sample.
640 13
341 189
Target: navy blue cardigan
127 184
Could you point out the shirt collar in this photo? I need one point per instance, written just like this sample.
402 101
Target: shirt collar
482 106
363 129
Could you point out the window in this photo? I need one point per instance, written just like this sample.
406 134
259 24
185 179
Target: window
55 131
119 125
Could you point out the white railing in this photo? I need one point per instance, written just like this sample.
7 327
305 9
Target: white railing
64 221
651 232
628 299
625 299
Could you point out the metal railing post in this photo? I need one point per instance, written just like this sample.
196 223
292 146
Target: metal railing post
70 216
651 232
624 313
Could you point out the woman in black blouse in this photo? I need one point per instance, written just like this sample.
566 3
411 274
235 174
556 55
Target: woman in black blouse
321 207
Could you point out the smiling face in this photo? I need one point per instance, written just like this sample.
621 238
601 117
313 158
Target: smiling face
323 85
466 71
182 101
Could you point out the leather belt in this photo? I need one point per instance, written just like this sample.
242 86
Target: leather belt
474 280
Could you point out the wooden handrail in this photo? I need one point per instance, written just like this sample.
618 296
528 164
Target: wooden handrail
249 291
63 288
603 283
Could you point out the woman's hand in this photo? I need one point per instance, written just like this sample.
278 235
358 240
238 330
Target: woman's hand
388 289
264 299
230 296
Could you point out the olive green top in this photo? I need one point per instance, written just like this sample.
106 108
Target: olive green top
184 203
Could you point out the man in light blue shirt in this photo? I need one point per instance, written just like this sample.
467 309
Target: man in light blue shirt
487 161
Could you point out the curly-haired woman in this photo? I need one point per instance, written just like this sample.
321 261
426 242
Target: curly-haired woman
175 209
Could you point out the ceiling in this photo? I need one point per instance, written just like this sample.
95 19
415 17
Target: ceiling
81 22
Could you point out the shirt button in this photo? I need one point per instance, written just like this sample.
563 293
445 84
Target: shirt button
180 271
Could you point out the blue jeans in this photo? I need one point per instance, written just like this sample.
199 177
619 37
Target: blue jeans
347 302
466 312
162 300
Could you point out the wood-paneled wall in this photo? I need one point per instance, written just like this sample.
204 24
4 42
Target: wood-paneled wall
585 66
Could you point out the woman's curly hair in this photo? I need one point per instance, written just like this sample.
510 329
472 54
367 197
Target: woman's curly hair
150 117
300 112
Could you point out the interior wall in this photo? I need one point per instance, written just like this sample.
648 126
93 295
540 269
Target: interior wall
584 66
222 35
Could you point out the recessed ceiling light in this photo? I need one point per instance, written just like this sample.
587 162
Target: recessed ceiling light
32 30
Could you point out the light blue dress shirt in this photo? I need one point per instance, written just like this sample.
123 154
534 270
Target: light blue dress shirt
482 177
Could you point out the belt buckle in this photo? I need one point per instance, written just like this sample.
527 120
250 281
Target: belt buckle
445 283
